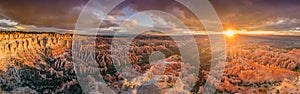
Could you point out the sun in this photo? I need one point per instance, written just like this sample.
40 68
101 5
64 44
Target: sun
229 33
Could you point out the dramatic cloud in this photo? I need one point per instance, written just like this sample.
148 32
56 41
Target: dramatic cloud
44 13
257 14
249 15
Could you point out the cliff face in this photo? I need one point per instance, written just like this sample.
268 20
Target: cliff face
28 48
38 62
257 68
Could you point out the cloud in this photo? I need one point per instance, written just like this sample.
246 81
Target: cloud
277 15
278 24
35 29
256 14
7 23
44 13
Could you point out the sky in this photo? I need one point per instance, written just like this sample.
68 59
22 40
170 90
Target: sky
249 16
